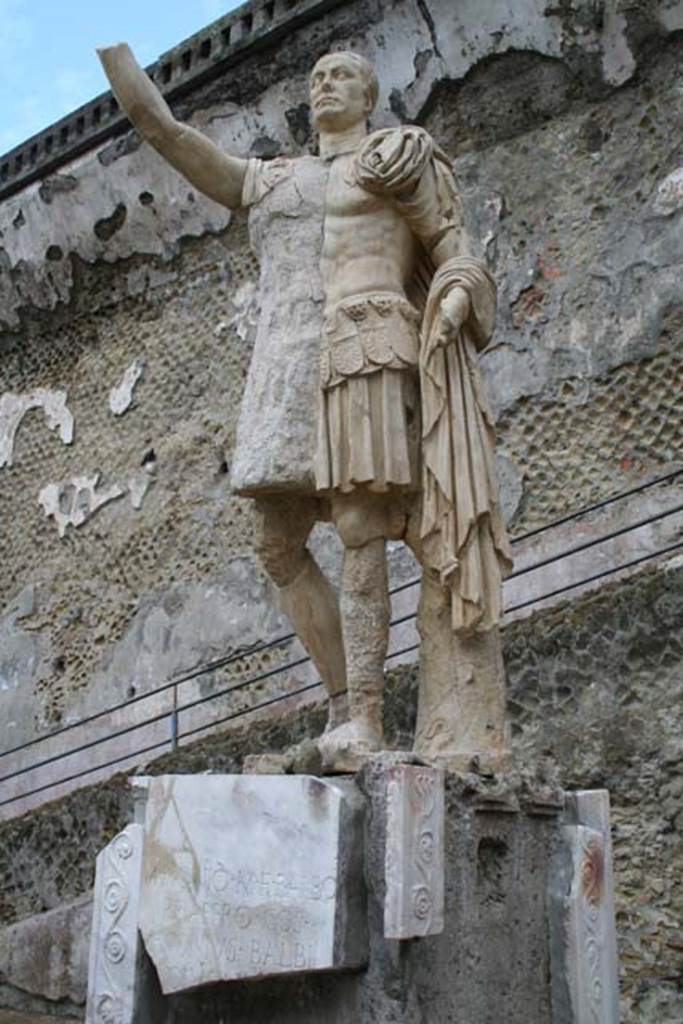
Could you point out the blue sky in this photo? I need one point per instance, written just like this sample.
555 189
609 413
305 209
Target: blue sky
48 66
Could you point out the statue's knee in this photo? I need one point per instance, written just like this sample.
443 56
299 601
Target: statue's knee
353 526
361 518
365 571
282 528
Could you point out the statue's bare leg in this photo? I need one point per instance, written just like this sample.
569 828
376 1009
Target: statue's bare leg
306 596
363 521
365 626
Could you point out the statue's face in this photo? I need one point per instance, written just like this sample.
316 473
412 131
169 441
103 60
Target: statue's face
339 95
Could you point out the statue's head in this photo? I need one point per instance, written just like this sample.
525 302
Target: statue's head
344 90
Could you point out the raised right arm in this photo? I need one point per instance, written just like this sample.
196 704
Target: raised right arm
215 173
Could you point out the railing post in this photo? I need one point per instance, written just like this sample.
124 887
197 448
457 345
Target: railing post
174 720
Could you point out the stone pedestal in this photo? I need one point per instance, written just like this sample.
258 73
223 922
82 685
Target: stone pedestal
403 895
122 988
414 859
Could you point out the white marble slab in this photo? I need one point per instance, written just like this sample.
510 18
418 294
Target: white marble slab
250 876
582 927
414 853
114 968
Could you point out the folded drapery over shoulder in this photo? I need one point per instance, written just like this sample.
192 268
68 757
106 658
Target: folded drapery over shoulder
463 531
406 165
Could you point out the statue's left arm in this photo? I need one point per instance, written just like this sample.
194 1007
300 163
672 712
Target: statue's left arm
462 530
405 164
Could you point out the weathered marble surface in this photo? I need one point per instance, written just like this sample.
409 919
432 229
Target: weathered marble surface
584 967
414 856
277 423
249 876
114 971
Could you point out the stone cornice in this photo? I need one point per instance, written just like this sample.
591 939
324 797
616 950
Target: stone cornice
205 55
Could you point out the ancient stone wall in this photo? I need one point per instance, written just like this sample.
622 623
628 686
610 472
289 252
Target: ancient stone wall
605 711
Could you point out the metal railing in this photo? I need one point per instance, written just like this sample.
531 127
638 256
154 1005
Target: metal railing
174 712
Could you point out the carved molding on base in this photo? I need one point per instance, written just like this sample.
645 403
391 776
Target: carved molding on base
414 855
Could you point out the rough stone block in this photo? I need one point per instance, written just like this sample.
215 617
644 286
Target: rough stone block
250 876
414 854
46 955
582 928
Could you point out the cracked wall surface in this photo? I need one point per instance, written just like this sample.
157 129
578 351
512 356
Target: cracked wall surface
595 689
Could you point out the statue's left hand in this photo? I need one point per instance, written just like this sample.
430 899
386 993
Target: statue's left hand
455 308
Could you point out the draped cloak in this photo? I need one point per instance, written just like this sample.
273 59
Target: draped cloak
462 529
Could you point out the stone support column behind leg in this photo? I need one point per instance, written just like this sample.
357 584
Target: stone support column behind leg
461 704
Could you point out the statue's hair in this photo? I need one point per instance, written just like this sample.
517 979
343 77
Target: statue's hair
366 70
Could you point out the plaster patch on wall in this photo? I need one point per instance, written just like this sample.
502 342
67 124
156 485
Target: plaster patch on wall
121 396
618 62
669 195
72 502
138 486
511 482
14 407
247 312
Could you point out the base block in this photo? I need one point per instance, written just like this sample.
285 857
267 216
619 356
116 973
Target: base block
414 858
122 986
289 899
582 928
251 876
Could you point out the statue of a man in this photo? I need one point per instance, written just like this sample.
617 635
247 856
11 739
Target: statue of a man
363 403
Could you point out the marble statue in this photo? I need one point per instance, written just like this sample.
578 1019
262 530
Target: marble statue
364 404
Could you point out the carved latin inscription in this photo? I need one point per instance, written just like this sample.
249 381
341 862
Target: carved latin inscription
243 877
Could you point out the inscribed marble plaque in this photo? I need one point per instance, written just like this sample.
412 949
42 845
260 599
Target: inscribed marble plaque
250 876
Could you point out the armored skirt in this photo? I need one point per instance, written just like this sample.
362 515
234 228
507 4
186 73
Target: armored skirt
369 422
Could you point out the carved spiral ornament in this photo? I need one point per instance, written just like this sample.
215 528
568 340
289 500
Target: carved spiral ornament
114 895
109 1009
426 846
593 872
115 947
422 902
123 846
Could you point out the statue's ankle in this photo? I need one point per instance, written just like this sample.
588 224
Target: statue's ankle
338 710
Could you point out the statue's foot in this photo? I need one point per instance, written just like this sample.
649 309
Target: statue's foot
338 711
349 746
